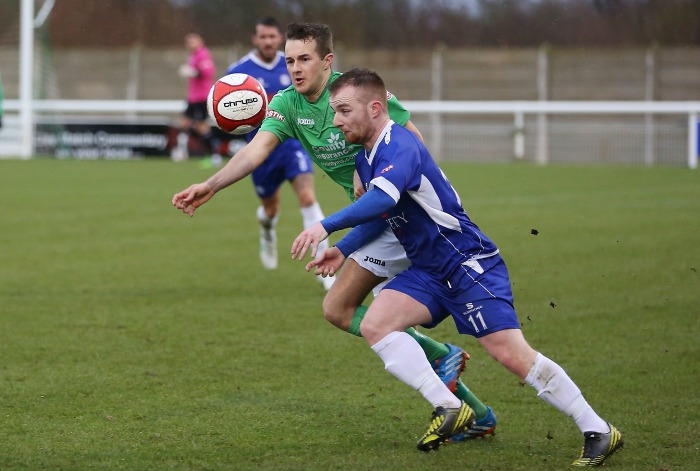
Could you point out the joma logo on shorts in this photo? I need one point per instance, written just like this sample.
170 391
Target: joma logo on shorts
376 261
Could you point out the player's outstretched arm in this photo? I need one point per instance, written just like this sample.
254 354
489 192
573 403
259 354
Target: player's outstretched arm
367 208
244 161
238 167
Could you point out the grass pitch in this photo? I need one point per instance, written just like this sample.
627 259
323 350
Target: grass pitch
133 337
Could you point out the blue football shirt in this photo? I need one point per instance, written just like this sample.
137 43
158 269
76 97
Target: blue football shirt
428 218
273 76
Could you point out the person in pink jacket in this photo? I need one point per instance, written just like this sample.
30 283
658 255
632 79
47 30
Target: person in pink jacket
200 72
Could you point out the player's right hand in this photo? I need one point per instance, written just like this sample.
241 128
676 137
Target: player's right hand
193 197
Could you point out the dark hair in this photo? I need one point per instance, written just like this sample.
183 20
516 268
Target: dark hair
267 21
310 31
366 79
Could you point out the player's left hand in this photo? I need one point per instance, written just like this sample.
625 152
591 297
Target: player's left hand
311 237
327 263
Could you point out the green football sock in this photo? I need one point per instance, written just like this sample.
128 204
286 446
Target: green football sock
360 312
433 349
471 400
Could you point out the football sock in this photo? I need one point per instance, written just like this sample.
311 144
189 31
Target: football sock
471 400
360 312
555 387
462 392
310 216
264 220
182 139
404 359
433 349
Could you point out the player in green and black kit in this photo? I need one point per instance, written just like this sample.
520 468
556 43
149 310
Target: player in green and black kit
302 112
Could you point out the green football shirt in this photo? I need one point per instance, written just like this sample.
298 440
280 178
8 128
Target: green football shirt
290 115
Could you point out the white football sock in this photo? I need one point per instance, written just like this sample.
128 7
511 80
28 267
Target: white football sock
182 139
405 359
264 220
555 387
311 215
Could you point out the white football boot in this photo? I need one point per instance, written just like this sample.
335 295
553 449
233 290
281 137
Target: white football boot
268 247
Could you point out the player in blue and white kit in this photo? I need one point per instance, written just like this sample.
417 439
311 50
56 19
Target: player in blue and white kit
289 161
303 111
456 270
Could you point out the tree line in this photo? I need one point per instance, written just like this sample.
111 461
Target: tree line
372 24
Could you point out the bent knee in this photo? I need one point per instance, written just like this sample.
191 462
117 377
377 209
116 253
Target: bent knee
373 331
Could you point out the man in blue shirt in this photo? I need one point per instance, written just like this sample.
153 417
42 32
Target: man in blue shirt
456 270
289 161
302 111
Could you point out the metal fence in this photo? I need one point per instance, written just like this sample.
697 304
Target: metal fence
440 74
543 132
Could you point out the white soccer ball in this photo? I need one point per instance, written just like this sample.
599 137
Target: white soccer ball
237 103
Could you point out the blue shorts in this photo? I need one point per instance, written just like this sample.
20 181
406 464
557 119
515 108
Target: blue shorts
478 297
284 163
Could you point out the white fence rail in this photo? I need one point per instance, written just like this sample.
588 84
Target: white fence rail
651 132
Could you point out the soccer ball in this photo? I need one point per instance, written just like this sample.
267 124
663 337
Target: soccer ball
237 103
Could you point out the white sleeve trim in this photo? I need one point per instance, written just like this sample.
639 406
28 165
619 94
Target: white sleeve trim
386 186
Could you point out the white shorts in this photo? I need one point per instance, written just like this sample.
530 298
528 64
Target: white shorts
383 257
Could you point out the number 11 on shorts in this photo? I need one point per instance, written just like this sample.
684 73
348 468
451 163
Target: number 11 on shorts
480 319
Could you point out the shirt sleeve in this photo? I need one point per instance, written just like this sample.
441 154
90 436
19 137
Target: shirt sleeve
397 169
277 121
370 206
360 235
397 112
